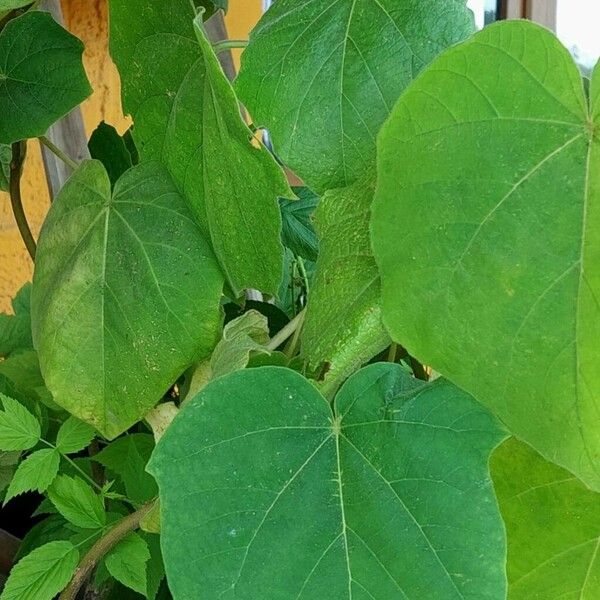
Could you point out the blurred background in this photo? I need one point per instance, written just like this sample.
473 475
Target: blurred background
574 21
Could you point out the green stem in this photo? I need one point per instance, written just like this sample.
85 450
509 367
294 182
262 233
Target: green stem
102 547
229 45
286 332
58 152
293 343
303 273
74 465
392 353
19 150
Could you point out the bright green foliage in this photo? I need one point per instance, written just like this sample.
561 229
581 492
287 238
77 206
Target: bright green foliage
107 146
19 429
323 77
496 281
74 435
36 472
76 501
43 573
553 526
267 493
126 562
33 94
15 330
127 458
12 4
343 327
125 294
297 232
187 116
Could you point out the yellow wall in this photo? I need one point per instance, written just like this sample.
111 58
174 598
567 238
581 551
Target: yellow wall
87 19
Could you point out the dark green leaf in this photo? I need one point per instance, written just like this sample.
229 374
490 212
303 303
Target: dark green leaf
125 295
19 429
298 233
156 569
267 493
107 146
5 159
553 527
15 330
187 116
343 327
36 472
42 574
126 562
76 501
8 466
487 236
323 76
41 75
127 458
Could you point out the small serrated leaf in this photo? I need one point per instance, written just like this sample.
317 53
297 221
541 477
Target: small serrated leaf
74 435
36 472
43 573
126 562
19 429
76 501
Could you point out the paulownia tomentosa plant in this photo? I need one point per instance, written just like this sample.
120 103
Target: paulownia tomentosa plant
383 384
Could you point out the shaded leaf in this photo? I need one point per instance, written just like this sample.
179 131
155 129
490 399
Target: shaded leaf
156 569
12 4
486 234
73 436
127 457
298 233
42 574
126 562
5 160
8 466
32 93
107 146
323 77
15 330
76 501
125 294
388 496
160 417
36 472
19 429
553 527
187 116
343 327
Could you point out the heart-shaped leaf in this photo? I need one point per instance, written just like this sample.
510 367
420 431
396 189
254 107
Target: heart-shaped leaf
553 527
187 116
343 327
485 228
323 76
41 75
125 294
266 493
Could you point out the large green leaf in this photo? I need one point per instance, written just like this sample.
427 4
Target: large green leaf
553 526
41 75
343 327
323 76
125 294
266 493
485 228
187 116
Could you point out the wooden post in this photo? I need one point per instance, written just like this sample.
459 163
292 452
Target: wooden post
542 12
68 133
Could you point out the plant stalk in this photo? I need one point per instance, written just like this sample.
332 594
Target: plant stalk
286 332
58 152
229 45
102 547
19 150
